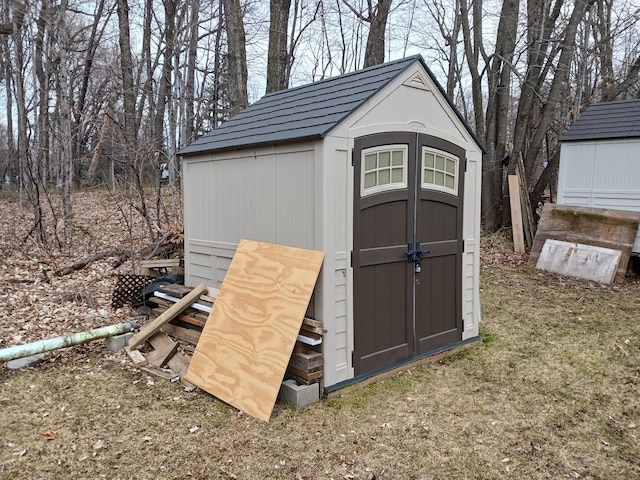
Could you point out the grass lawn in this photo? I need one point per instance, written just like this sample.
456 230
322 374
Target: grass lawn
552 393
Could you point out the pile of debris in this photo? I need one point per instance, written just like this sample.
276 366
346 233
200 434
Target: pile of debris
177 315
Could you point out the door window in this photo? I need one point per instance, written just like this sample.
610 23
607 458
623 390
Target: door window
439 171
383 168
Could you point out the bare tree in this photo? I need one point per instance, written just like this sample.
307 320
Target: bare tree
497 114
376 16
236 56
278 55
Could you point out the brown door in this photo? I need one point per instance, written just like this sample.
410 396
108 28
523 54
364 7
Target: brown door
407 198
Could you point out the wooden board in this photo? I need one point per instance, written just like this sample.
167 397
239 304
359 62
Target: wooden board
153 326
614 229
580 261
245 346
159 358
516 214
136 357
178 363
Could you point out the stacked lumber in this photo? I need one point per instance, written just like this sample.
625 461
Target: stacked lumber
178 336
306 367
163 357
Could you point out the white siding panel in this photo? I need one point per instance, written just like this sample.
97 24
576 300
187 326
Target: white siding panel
576 167
617 166
471 255
602 174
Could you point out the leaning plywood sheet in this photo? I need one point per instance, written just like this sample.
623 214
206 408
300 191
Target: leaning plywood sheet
246 344
580 261
600 227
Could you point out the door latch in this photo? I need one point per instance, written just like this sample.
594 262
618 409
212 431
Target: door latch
414 255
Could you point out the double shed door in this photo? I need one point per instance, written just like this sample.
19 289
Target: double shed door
407 255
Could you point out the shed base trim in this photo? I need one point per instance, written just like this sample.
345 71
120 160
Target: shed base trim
398 367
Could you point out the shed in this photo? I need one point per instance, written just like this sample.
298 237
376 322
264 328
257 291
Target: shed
600 159
378 170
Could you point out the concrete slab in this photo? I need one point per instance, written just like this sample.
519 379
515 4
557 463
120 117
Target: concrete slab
299 396
118 342
25 362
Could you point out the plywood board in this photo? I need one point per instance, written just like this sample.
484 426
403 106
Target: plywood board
245 346
607 228
581 261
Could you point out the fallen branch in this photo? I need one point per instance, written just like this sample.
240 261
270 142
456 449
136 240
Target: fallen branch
88 261
163 245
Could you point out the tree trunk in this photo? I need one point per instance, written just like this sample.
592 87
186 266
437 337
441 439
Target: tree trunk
126 65
558 85
192 56
236 56
499 88
78 133
66 157
277 56
374 52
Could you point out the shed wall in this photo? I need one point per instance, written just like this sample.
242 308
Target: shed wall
258 195
601 174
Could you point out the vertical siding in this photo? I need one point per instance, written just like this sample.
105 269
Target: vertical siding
265 196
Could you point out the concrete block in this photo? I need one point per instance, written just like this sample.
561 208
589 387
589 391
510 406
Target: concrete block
25 362
299 396
118 342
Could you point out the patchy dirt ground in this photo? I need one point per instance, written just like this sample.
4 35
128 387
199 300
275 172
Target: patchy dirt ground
552 393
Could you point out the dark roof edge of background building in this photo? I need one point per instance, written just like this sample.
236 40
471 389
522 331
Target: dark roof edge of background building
619 119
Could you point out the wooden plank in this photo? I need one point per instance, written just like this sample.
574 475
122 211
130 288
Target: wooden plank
600 227
307 362
161 356
246 344
307 328
178 362
190 316
525 201
175 290
164 263
302 377
185 334
136 357
312 323
311 335
516 214
153 326
195 305
581 261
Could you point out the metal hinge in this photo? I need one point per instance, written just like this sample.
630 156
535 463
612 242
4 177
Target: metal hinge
351 259
352 156
352 357
465 164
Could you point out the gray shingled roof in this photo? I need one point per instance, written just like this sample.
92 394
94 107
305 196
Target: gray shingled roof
302 113
606 120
